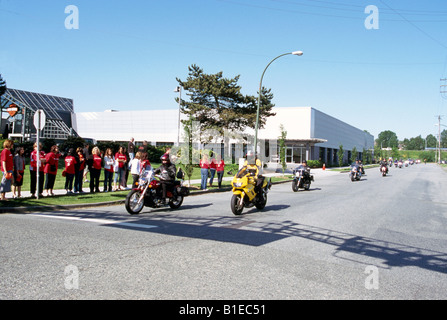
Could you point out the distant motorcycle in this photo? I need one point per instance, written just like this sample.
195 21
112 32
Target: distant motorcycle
301 178
355 173
399 164
383 170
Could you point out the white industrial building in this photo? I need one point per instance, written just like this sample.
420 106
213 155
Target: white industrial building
311 134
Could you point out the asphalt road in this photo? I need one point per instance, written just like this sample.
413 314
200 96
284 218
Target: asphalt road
378 238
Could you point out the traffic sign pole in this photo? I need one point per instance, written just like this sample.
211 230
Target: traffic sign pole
39 123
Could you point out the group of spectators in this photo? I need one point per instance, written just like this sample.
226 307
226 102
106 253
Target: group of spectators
208 168
13 169
78 163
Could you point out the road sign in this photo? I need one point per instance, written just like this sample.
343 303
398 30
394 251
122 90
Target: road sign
39 119
12 110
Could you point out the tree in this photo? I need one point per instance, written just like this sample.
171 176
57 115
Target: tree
354 154
415 143
387 139
218 104
340 155
431 141
444 138
2 86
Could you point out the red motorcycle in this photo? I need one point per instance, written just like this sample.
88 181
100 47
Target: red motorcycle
149 193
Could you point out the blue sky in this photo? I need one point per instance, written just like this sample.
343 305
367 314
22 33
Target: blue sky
126 55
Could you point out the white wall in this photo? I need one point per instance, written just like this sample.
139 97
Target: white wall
296 121
337 133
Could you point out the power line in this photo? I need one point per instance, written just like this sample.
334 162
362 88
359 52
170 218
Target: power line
415 26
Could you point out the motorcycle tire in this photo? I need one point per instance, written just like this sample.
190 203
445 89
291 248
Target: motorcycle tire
295 186
131 202
307 186
236 208
175 204
352 178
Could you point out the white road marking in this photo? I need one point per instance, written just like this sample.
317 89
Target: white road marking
100 221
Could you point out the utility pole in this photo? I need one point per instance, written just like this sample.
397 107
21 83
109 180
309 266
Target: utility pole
443 87
439 139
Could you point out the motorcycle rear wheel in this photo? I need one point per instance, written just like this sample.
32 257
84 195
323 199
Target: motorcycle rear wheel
236 208
261 205
131 203
175 203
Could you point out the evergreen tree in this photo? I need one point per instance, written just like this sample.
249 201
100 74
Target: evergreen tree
217 103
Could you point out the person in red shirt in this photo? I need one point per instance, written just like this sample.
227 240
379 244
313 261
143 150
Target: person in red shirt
212 170
33 170
220 165
51 165
7 167
95 170
204 166
70 170
120 174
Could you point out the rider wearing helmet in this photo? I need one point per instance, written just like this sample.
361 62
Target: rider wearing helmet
167 172
252 164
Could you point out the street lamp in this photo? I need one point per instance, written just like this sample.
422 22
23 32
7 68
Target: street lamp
179 90
296 53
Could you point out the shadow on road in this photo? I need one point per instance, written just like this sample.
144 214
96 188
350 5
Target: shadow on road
245 231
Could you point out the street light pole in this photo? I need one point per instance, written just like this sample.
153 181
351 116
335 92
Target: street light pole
179 90
296 53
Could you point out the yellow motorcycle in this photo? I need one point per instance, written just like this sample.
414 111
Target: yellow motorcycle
249 190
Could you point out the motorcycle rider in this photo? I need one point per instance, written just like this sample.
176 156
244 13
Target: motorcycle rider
253 165
384 163
167 172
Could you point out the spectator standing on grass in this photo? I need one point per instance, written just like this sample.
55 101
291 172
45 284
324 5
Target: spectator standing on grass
19 171
51 165
145 163
109 161
7 167
220 166
212 170
126 170
131 149
79 174
95 170
135 169
88 160
33 171
70 170
120 158
204 167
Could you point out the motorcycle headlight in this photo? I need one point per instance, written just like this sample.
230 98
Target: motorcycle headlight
237 184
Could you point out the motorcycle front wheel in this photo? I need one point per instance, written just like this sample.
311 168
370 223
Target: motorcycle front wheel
131 203
295 185
236 205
